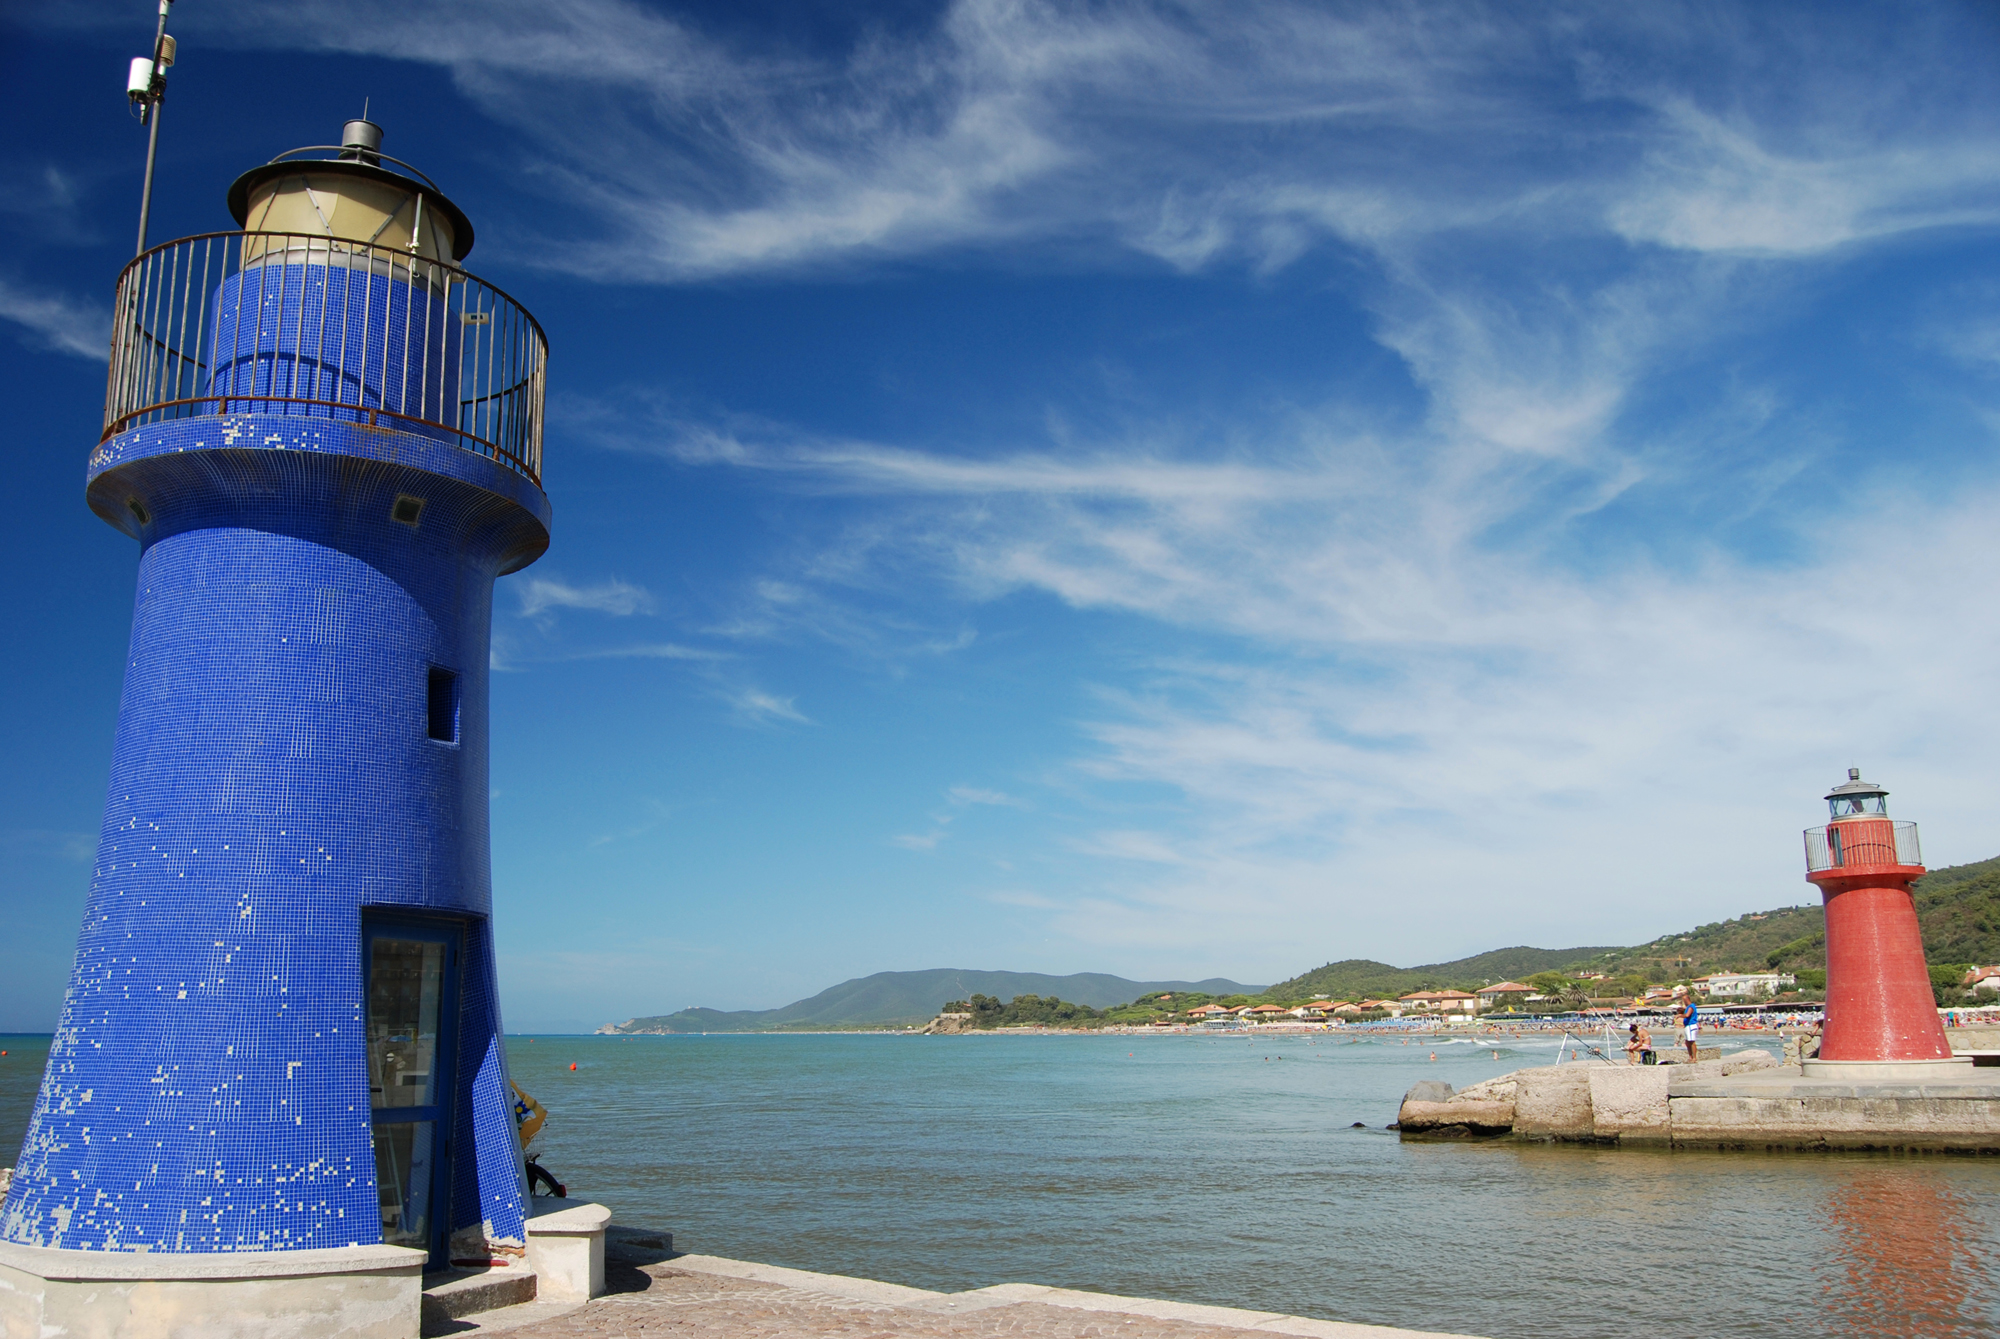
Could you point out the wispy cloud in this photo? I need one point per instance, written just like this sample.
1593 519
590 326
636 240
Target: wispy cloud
541 594
56 321
1397 680
645 651
1193 134
760 707
960 798
75 847
657 814
975 795
1394 655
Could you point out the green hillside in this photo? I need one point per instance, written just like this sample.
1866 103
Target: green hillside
1789 937
1359 978
1958 908
892 999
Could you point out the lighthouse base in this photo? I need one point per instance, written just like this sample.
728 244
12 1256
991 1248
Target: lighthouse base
352 1292
1940 1071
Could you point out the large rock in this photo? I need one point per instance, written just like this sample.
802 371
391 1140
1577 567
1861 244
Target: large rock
1554 1103
1629 1104
1585 1102
1483 1108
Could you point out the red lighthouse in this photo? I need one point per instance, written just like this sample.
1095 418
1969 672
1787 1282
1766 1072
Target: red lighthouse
1880 1012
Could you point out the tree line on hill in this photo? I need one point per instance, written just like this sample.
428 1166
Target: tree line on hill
1024 1011
986 1012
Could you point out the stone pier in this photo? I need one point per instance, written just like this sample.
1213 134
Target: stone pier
1748 1100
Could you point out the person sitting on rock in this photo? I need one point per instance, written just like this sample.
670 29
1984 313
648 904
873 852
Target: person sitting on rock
1639 1046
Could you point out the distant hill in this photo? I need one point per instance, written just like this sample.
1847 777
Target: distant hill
1958 908
1357 978
1788 937
889 999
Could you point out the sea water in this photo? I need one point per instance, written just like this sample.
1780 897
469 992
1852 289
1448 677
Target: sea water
1226 1170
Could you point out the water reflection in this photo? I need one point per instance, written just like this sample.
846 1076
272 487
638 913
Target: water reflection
1906 1264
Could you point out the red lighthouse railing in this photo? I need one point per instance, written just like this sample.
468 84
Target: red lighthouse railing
1870 842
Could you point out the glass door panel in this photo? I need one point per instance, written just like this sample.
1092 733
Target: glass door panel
405 1173
412 1001
405 980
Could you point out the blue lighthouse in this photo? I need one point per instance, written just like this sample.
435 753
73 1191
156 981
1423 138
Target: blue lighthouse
282 1031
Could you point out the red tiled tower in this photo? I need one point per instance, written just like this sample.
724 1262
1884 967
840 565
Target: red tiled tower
1880 1012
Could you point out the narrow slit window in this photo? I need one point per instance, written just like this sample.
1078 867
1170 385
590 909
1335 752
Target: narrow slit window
444 705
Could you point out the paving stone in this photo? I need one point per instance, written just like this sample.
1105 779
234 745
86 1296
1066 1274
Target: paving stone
663 1302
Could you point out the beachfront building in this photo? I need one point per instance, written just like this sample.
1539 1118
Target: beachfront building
1263 1013
1985 979
280 1052
1743 985
1207 1011
1394 1008
1442 1002
1503 995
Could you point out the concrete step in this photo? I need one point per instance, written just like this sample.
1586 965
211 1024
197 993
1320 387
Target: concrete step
452 1293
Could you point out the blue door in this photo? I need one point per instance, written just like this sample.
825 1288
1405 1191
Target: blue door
411 968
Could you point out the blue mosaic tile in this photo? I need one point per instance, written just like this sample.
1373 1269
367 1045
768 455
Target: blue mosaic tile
344 333
272 777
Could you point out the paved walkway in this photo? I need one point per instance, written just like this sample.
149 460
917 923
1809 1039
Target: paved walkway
705 1297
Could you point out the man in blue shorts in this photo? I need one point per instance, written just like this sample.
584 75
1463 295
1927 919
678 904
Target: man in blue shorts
1690 1024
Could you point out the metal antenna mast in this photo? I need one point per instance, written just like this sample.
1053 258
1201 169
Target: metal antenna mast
146 85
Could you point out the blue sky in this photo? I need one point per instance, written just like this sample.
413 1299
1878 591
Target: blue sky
1162 489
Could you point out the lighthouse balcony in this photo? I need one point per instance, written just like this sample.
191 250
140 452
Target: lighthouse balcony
1874 842
317 326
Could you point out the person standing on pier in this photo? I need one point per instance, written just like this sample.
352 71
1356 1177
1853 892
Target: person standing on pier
1690 1022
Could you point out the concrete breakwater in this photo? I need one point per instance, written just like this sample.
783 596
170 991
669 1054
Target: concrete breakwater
1588 1102
1747 1100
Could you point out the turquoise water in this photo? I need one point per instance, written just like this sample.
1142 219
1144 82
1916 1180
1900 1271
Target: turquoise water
1196 1168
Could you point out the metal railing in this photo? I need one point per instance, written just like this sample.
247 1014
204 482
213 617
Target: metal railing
1844 845
322 327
